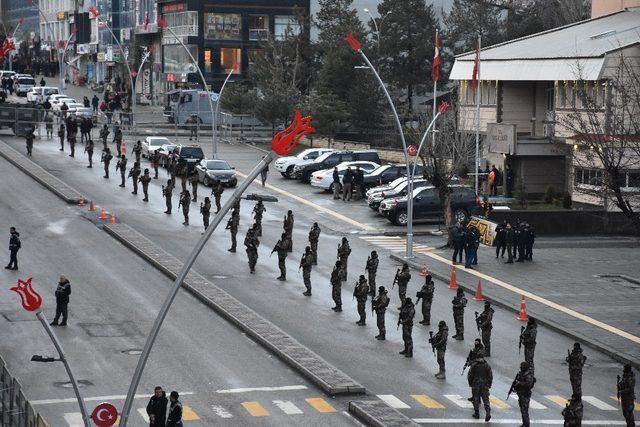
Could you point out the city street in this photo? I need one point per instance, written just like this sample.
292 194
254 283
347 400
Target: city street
226 358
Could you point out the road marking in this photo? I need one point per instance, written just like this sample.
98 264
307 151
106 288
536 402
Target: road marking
74 419
459 400
320 405
497 403
533 404
558 400
393 401
515 421
636 404
396 244
143 414
97 398
287 407
541 300
598 403
221 412
255 409
313 205
188 414
425 400
245 390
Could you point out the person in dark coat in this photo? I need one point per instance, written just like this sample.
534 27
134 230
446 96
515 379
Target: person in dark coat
157 408
457 239
500 240
63 291
480 379
174 419
14 247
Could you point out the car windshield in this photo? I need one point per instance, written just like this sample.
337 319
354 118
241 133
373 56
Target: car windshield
50 91
218 165
379 170
323 156
191 152
157 142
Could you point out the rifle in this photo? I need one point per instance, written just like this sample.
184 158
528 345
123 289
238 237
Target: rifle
464 367
395 279
520 343
274 248
301 261
513 385
433 349
163 192
477 323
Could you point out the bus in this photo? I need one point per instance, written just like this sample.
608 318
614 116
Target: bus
182 104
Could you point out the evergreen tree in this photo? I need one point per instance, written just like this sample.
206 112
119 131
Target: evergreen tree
467 20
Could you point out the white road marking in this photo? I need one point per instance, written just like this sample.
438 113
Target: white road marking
221 412
393 401
533 404
287 407
143 414
97 398
514 421
245 390
598 403
74 419
459 400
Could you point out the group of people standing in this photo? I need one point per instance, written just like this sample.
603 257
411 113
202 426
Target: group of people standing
516 239
352 184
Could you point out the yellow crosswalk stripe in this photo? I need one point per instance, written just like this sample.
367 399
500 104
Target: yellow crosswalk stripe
497 403
188 414
558 400
636 406
425 400
255 409
320 405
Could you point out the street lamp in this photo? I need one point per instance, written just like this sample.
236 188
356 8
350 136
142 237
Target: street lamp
375 23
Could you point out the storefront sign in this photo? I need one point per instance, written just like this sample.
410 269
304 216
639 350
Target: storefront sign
61 16
501 138
174 7
82 49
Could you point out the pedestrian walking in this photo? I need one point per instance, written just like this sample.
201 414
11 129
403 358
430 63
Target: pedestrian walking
523 386
122 165
193 180
372 269
205 210
216 190
61 133
174 418
360 293
402 278
157 407
29 137
185 202
306 263
232 226
88 148
281 248
14 247
258 211
407 313
439 345
167 192
484 321
145 179
63 290
480 378
336 286
347 182
251 244
344 250
104 134
426 295
379 304
576 360
626 394
458 303
572 412
314 237
457 239
528 340
336 185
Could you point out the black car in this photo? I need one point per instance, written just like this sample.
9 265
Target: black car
387 173
191 155
400 190
331 159
426 205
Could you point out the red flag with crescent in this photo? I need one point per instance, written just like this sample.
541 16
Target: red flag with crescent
474 77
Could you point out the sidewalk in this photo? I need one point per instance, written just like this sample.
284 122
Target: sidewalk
590 293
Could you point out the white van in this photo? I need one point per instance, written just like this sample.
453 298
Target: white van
39 94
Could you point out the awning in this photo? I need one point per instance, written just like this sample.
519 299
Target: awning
531 69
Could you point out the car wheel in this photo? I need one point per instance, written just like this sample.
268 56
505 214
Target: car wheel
206 181
401 218
288 172
460 215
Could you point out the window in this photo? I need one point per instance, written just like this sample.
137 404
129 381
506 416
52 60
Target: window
286 25
176 60
488 93
228 57
222 26
182 23
592 177
633 179
561 92
253 54
258 27
207 61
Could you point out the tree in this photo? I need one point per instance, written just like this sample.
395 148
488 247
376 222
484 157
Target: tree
604 123
467 20
406 44
328 113
238 99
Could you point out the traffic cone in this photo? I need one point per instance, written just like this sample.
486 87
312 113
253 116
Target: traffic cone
479 296
103 214
123 149
452 281
92 208
113 219
523 316
81 203
424 271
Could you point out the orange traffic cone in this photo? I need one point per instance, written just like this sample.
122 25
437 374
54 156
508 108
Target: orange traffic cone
91 206
81 203
523 316
113 219
452 281
123 149
424 271
103 214
479 296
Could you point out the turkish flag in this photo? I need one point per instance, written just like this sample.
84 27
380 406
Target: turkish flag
474 78
435 69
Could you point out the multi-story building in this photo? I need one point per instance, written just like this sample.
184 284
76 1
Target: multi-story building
15 10
529 87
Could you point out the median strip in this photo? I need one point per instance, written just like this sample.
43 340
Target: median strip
376 413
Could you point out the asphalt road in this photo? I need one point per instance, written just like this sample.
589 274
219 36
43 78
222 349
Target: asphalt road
335 336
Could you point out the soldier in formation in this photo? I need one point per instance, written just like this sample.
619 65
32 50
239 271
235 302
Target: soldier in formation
426 295
137 150
476 352
61 132
626 394
106 159
288 228
88 148
523 386
145 179
439 346
216 190
459 302
572 412
117 139
402 279
185 202
232 226
407 313
29 137
282 250
251 244
71 138
154 159
306 263
104 134
336 286
480 378
134 174
314 236
379 305
576 360
258 211
361 292
484 321
205 210
167 192
122 165
528 339
193 180
344 250
372 269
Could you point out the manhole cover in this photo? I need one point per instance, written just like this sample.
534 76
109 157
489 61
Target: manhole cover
132 351
108 330
67 384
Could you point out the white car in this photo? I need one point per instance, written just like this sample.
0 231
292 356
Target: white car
23 85
152 143
38 94
386 187
285 165
73 106
84 112
324 179
57 103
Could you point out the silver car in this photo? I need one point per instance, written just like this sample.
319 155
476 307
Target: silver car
216 170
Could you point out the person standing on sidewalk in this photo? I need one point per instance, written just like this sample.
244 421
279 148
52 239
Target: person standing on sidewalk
122 165
347 182
626 394
89 150
14 247
480 378
63 290
157 407
174 419
336 184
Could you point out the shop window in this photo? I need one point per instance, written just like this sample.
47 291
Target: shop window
176 60
223 26
258 27
286 25
228 57
207 61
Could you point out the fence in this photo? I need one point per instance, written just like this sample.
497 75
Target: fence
15 410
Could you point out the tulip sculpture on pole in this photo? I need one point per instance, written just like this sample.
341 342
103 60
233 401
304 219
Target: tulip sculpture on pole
31 301
283 143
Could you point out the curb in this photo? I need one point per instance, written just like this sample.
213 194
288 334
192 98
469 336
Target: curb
376 413
551 324
302 359
53 184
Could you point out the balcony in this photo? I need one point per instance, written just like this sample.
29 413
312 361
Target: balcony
258 34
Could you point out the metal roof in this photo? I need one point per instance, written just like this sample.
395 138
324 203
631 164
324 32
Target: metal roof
555 54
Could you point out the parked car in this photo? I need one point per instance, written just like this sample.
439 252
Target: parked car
39 94
189 154
73 106
164 152
57 103
387 173
331 159
23 85
426 205
210 170
83 112
285 165
324 178
152 143
400 190
385 187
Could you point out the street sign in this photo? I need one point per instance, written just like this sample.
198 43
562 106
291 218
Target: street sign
104 415
412 150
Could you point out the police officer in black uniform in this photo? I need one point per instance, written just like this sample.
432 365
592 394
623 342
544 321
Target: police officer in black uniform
379 305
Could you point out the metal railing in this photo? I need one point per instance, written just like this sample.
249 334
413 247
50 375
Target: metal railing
15 409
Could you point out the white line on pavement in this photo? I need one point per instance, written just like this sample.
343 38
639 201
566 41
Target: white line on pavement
459 400
512 421
221 412
598 403
393 401
287 407
143 414
245 390
533 404
97 398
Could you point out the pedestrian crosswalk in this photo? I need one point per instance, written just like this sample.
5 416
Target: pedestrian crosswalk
396 244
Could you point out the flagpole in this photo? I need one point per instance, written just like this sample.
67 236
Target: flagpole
477 162
435 92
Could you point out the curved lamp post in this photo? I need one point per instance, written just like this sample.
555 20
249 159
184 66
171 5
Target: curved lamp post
283 143
444 106
162 23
